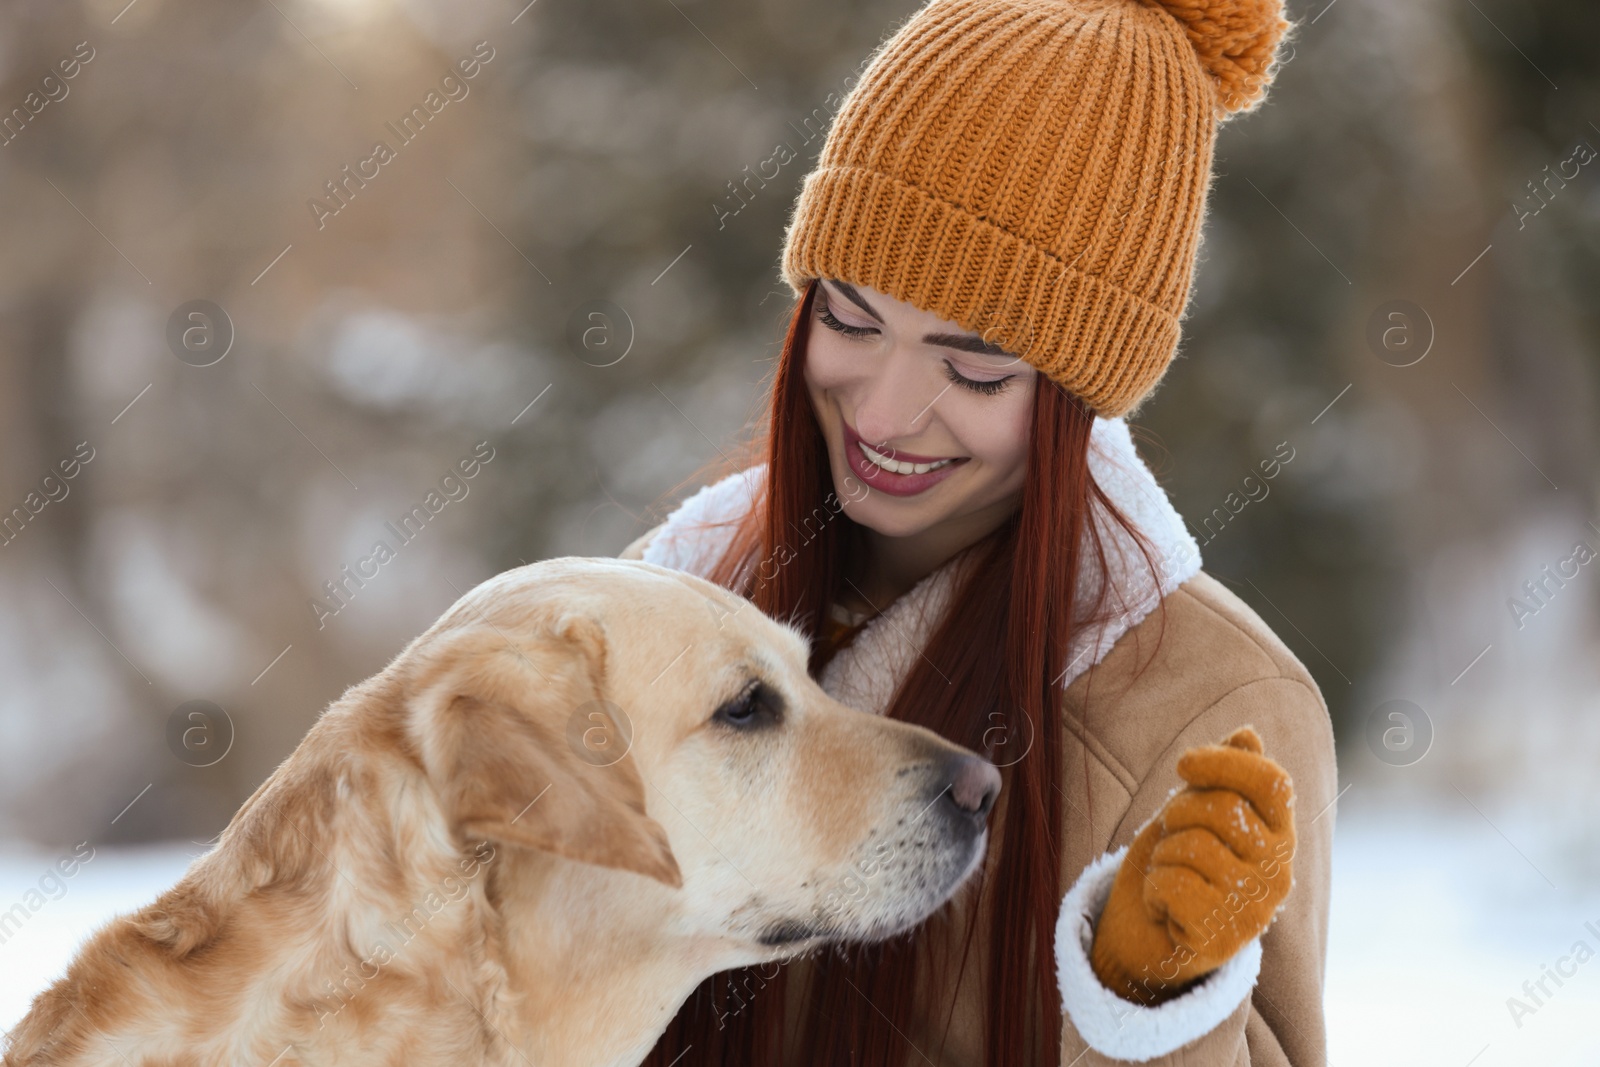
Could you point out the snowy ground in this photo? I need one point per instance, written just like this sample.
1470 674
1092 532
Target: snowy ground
1436 921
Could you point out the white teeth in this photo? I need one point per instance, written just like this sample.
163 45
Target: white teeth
897 467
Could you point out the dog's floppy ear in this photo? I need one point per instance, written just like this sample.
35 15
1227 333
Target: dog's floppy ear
497 745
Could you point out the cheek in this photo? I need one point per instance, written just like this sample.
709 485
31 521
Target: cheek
828 364
995 430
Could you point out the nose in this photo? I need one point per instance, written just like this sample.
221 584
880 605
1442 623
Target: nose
896 402
973 785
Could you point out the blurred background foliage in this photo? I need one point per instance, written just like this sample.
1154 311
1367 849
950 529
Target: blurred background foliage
591 159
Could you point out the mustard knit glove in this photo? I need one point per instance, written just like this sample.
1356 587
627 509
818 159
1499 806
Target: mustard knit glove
1203 877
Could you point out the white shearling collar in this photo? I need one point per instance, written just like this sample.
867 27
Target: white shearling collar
866 673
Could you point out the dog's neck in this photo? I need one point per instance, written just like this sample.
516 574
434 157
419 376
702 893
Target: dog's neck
596 961
565 962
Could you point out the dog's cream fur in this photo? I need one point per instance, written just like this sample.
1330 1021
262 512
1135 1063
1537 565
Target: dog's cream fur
466 861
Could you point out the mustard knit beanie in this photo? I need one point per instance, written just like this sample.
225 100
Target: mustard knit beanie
1036 171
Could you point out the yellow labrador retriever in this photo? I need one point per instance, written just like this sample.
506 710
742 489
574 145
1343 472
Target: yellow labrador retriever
587 787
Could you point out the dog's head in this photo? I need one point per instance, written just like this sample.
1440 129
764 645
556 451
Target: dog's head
630 717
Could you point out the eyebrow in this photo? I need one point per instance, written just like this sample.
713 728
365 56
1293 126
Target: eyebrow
963 342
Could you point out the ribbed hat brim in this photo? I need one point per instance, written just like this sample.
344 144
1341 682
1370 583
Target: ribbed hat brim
1107 345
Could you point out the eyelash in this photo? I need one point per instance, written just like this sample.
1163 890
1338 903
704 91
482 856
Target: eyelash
826 315
986 388
989 388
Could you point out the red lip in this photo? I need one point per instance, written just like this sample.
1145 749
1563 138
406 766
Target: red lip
888 481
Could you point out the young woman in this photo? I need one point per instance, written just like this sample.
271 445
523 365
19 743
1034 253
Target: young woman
990 263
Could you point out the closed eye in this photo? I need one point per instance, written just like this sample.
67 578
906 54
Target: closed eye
756 706
977 385
845 328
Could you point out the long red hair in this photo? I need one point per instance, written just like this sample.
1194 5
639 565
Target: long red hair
992 670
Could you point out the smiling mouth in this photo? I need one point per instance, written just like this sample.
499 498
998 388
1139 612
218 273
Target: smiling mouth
908 473
898 466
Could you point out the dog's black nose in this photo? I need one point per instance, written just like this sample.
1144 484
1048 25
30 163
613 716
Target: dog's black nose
974 783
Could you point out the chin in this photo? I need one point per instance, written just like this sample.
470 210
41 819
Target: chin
892 516
889 518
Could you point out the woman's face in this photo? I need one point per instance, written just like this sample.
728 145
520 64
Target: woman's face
933 420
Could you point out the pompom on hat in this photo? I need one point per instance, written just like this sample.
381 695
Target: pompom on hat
1036 171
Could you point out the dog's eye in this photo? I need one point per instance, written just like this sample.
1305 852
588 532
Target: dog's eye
757 705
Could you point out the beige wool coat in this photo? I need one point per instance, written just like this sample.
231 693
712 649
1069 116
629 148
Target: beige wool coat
1216 666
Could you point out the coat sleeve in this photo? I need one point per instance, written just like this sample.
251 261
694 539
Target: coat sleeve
1263 1008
